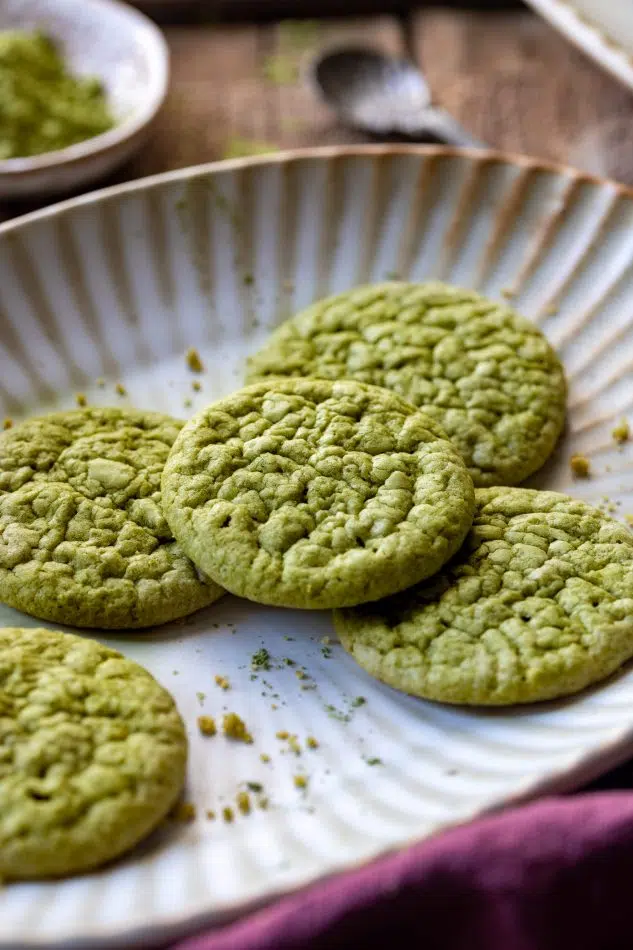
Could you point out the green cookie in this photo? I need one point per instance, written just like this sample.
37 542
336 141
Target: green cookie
537 604
309 493
93 754
487 376
83 539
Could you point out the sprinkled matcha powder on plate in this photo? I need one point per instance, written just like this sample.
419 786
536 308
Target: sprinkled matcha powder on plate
43 107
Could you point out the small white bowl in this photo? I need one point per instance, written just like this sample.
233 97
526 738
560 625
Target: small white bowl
120 46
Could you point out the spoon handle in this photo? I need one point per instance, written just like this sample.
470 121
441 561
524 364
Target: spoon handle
443 126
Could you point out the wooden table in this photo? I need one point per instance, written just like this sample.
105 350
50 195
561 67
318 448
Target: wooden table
507 75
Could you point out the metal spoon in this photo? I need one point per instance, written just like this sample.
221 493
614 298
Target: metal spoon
383 95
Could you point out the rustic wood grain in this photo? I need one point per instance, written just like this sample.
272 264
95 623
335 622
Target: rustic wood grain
508 76
521 87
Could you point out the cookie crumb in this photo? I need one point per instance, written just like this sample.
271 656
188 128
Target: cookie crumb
255 787
264 758
201 697
120 389
235 728
194 362
300 781
8 423
260 660
312 743
282 734
196 386
359 701
227 814
243 800
621 432
80 399
209 814
294 745
222 682
206 725
579 465
374 761
263 803
187 403
184 812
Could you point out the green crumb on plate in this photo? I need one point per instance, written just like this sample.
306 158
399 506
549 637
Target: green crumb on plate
260 660
194 361
243 801
580 466
621 432
206 724
235 728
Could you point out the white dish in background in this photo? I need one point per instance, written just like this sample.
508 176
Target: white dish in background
119 284
120 46
602 28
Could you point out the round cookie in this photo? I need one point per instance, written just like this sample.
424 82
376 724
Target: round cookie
489 377
309 493
93 754
538 603
83 539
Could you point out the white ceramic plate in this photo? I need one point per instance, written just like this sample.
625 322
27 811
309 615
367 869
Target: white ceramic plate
118 285
602 28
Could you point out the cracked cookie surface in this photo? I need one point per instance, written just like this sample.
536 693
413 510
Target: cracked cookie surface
489 377
538 603
309 493
83 538
92 753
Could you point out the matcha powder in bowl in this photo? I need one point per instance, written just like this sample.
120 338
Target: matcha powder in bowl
43 108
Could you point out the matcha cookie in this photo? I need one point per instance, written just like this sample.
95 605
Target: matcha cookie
537 604
487 376
93 754
83 539
309 493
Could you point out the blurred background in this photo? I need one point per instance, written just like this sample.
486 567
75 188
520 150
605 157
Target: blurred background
505 73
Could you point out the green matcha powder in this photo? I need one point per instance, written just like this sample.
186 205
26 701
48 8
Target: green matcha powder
42 107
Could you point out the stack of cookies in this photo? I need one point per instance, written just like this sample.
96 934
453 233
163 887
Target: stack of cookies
367 467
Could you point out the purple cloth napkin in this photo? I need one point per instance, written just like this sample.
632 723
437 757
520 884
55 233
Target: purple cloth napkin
555 875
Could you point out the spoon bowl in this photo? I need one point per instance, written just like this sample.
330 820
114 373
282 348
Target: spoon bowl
382 95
